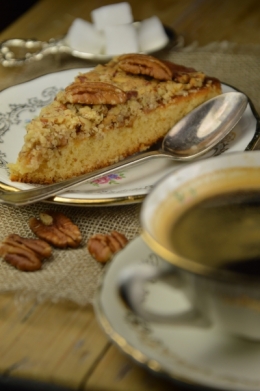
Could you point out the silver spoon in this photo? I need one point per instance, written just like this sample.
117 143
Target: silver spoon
191 137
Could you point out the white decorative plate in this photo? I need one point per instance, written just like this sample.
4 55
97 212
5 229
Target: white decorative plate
20 103
191 356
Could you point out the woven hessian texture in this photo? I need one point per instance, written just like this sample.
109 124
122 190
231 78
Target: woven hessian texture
72 274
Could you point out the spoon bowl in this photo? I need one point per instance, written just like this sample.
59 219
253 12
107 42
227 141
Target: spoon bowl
191 137
205 127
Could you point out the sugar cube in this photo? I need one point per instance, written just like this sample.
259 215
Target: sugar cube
121 39
151 34
84 37
112 14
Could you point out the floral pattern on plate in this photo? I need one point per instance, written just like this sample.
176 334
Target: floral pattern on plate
111 179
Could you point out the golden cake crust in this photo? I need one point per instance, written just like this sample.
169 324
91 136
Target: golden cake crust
107 114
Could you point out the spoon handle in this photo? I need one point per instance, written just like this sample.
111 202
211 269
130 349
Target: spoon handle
32 49
26 197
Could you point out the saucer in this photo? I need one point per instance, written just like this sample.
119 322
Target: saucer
192 356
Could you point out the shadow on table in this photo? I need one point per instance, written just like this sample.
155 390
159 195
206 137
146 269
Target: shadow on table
14 384
13 9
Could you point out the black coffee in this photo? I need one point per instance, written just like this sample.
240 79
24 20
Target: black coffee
223 231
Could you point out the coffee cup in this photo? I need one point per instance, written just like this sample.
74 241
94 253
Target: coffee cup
203 220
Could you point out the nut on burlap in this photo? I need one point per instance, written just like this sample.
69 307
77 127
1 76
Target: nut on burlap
71 274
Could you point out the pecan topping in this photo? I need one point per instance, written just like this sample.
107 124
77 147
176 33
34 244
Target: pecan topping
182 78
56 229
177 69
141 64
102 247
24 254
95 93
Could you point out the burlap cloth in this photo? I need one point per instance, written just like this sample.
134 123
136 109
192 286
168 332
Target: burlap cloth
73 274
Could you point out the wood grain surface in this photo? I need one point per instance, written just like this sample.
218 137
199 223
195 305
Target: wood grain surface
61 344
197 20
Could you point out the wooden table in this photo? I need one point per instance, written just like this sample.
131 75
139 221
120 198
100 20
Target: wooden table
63 345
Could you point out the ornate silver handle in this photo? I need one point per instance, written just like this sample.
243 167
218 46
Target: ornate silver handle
33 50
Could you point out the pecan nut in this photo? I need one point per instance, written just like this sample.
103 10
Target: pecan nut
102 247
24 254
179 70
141 64
57 229
95 93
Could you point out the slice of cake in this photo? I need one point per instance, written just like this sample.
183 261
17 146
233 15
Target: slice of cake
107 114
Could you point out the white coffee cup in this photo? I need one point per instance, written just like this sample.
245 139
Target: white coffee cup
226 299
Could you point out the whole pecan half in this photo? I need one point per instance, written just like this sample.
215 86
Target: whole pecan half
24 254
141 64
103 246
57 229
94 92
